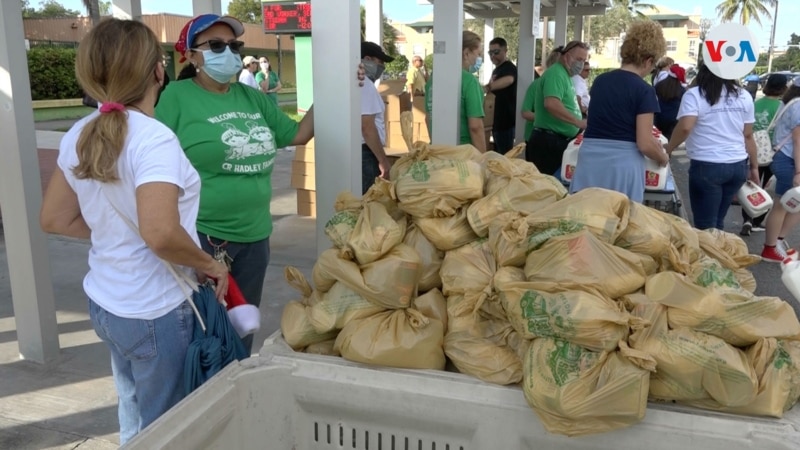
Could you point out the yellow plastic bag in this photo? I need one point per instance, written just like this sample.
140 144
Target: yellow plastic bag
295 322
488 358
580 261
430 256
422 151
374 234
339 306
437 188
576 391
602 212
692 365
746 279
341 225
727 248
468 269
501 169
738 319
647 232
528 195
433 305
777 365
402 338
448 233
710 273
322 348
508 238
390 282
582 318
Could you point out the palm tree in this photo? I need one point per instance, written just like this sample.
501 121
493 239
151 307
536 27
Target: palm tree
745 9
93 7
636 8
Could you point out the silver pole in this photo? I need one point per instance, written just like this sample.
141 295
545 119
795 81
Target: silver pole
772 38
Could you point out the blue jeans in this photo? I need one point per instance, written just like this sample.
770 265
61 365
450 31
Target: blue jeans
711 188
783 168
147 360
249 267
503 140
369 168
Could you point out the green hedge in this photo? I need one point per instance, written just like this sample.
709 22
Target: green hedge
52 73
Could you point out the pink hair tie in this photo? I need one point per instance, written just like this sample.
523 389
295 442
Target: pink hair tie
111 106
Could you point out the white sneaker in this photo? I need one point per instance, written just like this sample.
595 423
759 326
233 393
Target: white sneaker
783 245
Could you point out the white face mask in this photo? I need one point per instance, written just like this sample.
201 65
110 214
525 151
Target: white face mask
264 66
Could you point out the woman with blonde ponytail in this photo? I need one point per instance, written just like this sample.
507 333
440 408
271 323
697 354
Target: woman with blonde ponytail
120 163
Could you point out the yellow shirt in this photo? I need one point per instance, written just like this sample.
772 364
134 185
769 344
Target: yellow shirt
415 79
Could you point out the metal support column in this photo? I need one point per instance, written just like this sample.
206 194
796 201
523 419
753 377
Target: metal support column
448 18
21 199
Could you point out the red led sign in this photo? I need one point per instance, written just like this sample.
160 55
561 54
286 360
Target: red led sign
287 17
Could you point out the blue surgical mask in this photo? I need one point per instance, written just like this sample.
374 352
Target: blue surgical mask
221 67
475 67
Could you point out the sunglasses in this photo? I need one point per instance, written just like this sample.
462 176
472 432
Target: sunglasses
218 46
495 52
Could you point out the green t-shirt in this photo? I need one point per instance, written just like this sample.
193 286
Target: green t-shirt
527 105
231 139
273 81
556 82
471 104
765 110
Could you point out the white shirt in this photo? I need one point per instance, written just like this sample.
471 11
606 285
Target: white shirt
125 277
372 104
718 136
247 77
581 89
660 76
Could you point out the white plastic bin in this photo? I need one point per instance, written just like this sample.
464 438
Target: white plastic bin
283 400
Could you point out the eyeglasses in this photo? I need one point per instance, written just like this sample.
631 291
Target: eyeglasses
218 46
495 52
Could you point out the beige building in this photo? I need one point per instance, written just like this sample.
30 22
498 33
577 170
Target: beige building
167 27
681 31
414 38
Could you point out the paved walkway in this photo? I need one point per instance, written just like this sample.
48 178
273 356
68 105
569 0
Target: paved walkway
71 403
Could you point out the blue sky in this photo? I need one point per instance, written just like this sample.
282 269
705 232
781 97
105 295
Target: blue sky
410 10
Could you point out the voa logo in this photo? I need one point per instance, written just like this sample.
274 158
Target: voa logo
730 51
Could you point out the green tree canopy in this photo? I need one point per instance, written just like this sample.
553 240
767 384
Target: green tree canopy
48 9
791 59
248 11
746 10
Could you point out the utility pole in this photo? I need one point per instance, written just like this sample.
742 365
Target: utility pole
772 37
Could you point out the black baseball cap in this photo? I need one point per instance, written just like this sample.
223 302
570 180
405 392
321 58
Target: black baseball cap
374 50
776 81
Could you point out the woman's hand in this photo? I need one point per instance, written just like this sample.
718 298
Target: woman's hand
796 180
755 177
219 273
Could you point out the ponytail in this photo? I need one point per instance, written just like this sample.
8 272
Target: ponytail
99 146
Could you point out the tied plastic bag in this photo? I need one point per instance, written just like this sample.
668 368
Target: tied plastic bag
584 319
390 282
506 167
341 225
448 233
746 280
528 195
295 322
468 269
430 256
339 306
422 151
487 357
602 212
777 365
433 305
648 232
582 262
738 319
727 248
375 234
402 338
437 188
710 273
322 348
508 238
692 365
687 245
576 391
